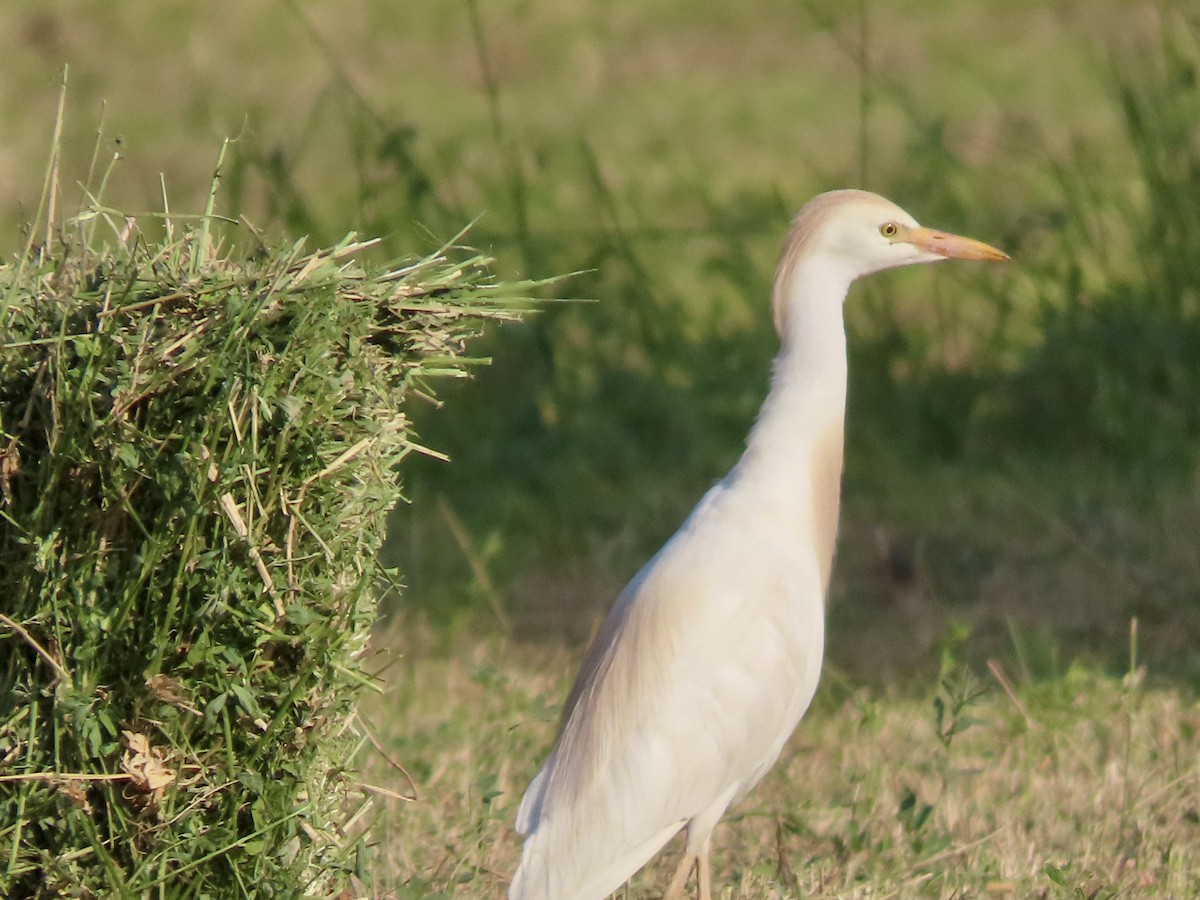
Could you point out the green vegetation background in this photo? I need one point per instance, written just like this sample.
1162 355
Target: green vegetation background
1023 442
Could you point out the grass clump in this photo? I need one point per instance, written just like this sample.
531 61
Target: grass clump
198 450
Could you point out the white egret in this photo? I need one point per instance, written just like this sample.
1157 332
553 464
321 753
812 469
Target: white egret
712 653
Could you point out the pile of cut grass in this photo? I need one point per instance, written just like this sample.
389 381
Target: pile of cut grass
198 451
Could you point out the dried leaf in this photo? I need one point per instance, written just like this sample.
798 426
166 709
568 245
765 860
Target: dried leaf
146 767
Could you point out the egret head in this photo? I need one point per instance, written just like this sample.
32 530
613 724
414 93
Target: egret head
849 234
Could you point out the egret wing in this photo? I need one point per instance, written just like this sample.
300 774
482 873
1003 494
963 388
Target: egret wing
683 700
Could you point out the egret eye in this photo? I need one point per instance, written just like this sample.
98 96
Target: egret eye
889 229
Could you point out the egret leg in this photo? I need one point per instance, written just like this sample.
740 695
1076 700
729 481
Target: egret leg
703 875
679 879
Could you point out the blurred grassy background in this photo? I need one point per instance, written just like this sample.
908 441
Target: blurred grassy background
1023 442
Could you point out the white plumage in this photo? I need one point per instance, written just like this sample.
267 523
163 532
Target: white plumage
713 652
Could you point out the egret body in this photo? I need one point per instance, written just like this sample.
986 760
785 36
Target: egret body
712 653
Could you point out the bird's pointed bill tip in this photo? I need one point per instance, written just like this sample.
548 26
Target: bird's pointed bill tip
954 246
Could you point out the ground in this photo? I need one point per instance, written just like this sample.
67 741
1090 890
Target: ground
1085 785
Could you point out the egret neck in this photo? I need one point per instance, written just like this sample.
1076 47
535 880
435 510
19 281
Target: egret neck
793 456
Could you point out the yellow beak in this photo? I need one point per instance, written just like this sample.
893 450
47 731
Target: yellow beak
952 246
